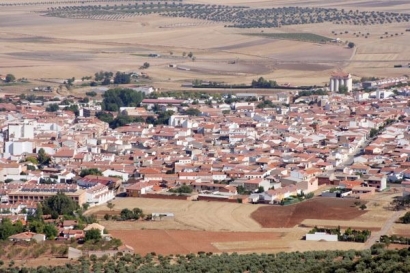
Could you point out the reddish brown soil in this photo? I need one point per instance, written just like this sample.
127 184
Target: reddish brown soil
184 241
318 208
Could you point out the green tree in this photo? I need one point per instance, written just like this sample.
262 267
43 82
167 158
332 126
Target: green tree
50 231
10 78
91 171
6 229
42 157
61 204
126 214
262 83
52 107
373 132
32 159
351 45
115 98
192 112
73 108
93 234
104 116
343 89
121 120
145 65
110 205
37 226
406 218
122 78
260 189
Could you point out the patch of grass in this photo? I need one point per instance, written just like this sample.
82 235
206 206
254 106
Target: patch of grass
303 37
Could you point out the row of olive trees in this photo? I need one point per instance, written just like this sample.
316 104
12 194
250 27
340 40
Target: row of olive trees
375 260
239 16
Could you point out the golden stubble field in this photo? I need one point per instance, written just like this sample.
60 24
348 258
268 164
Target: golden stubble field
35 46
231 227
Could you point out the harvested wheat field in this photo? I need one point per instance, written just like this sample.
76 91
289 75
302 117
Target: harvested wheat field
318 208
205 216
38 46
185 241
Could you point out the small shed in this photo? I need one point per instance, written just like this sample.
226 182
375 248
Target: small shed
321 236
162 216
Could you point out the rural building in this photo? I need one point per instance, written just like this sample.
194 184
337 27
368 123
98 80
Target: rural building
95 226
340 79
40 192
27 237
321 236
378 181
162 216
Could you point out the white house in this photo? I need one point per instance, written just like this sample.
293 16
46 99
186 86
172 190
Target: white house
99 194
110 173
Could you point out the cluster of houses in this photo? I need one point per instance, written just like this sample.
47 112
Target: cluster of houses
229 152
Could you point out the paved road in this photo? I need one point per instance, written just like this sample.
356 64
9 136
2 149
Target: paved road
383 231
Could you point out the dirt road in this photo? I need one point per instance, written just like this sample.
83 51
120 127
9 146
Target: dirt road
385 228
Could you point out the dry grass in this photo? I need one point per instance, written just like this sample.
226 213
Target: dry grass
209 216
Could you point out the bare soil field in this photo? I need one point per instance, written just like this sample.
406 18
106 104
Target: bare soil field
318 208
229 227
185 241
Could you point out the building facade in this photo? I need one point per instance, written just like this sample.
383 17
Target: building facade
338 80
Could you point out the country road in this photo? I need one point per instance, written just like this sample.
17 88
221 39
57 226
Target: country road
383 231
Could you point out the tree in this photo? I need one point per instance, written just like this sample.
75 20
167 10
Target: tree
115 98
110 205
61 204
406 218
122 78
6 229
182 189
93 234
52 107
145 65
343 89
50 231
42 157
262 83
260 189
138 213
190 55
126 214
91 171
73 108
121 121
104 116
363 207
373 132
10 78
192 112
351 45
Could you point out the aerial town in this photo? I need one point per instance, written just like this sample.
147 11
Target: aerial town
244 136
277 149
